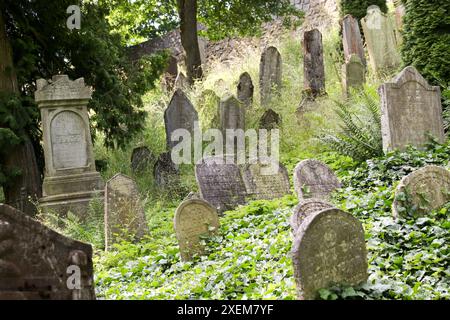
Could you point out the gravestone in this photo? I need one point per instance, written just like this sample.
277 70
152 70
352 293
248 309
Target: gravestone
313 65
170 74
124 213
232 116
353 74
38 263
329 249
411 110
71 180
181 82
220 183
313 179
304 209
165 172
352 40
265 182
270 73
380 40
141 158
422 191
270 120
180 114
207 101
194 220
245 89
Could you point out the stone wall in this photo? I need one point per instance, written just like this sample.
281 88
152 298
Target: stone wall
320 14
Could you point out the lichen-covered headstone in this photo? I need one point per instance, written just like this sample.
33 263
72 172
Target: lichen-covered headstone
269 120
141 158
351 38
313 65
245 89
220 183
422 191
194 220
380 40
304 209
124 213
165 172
38 263
329 249
180 114
314 179
353 74
267 179
270 72
411 111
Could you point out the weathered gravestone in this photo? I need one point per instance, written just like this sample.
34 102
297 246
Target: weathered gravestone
267 179
351 37
380 40
124 213
232 117
170 74
269 120
245 89
165 172
141 158
411 110
329 249
421 192
304 209
209 100
180 114
313 179
220 182
181 82
194 220
353 74
270 72
38 263
71 180
313 65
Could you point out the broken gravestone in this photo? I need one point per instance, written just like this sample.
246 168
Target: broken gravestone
165 172
313 179
313 65
411 111
304 209
421 192
351 38
269 120
220 182
194 220
124 213
353 74
329 249
270 72
141 158
245 89
38 263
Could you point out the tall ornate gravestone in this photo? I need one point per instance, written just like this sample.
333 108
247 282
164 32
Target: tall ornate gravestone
124 213
313 65
245 89
421 192
38 263
270 72
380 40
304 209
411 110
351 38
71 180
194 219
353 74
329 249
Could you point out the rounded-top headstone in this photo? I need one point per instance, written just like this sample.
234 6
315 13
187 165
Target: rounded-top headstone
329 249
245 89
314 179
194 219
304 209
422 191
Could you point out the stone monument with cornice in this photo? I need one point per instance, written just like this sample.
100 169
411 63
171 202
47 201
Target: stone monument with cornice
71 180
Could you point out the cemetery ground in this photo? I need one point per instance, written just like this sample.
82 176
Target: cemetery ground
249 258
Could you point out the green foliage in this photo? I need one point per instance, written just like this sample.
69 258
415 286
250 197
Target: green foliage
358 8
360 134
426 35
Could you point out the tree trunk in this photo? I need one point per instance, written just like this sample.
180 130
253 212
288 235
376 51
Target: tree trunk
26 186
187 10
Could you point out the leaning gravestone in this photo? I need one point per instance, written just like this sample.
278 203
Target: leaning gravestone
304 209
313 179
422 191
194 220
380 40
313 65
269 120
352 40
411 110
180 114
124 213
141 158
165 172
270 72
329 249
245 89
71 180
220 183
38 263
267 179
353 74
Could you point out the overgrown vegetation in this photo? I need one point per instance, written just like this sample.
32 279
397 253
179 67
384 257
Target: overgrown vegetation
358 8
